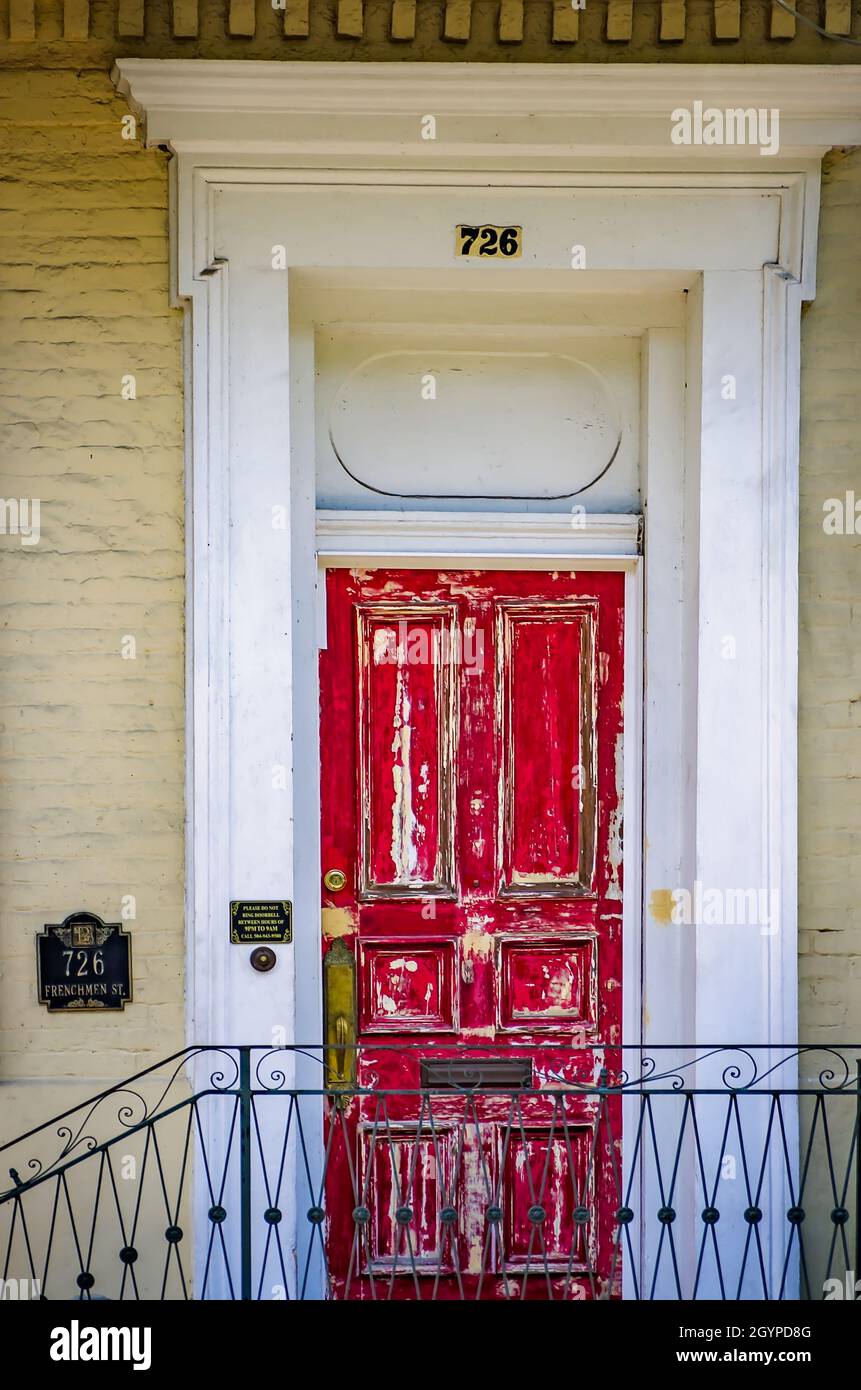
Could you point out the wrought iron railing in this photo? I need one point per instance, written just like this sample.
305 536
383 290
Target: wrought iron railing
585 1173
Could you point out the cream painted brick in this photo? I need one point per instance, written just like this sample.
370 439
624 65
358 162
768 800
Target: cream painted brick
76 277
92 795
844 762
91 251
829 942
830 619
106 193
824 614
832 970
825 903
155 329
838 842
148 221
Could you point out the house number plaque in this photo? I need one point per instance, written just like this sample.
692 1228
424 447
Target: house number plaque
84 963
488 241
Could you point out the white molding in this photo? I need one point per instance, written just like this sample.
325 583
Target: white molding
524 116
223 89
796 187
781 426
522 89
632 873
207 624
530 539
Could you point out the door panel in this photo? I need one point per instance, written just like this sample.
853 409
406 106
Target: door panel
545 679
538 1166
547 983
406 726
408 990
471 727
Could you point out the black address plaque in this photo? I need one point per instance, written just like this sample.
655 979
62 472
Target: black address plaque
84 963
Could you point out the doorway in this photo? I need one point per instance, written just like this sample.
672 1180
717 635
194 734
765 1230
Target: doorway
471 798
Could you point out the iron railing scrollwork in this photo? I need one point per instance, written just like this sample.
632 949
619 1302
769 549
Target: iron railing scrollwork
548 1172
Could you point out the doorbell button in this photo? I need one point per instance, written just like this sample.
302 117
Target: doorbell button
263 958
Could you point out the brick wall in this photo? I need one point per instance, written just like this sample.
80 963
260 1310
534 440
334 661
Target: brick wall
77 34
830 618
92 742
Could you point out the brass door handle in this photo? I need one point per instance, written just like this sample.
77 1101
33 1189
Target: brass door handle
342 1037
335 880
341 1022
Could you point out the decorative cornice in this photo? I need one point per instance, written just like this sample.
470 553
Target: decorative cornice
529 89
591 111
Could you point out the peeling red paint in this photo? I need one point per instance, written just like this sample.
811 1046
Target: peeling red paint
476 811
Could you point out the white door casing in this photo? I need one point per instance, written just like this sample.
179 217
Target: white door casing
304 155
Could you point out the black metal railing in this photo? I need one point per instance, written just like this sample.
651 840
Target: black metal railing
579 1173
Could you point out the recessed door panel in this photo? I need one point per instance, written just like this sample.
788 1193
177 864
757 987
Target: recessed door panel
406 731
549 1197
545 676
407 986
551 985
407 1168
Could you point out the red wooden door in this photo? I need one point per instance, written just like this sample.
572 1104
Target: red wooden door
471 729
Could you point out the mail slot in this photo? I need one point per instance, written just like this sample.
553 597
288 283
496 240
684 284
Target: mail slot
476 1073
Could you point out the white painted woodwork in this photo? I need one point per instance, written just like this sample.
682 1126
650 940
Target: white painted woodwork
507 115
400 414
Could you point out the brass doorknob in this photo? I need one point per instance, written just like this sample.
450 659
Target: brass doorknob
335 880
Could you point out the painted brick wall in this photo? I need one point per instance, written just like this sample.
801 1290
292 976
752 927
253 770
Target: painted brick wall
830 617
92 785
78 34
829 733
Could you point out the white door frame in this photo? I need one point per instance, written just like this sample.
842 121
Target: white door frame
720 489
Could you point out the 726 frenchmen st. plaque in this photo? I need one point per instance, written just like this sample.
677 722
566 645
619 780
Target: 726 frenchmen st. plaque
84 963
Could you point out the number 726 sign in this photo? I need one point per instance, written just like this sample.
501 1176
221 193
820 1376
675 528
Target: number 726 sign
84 963
488 241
